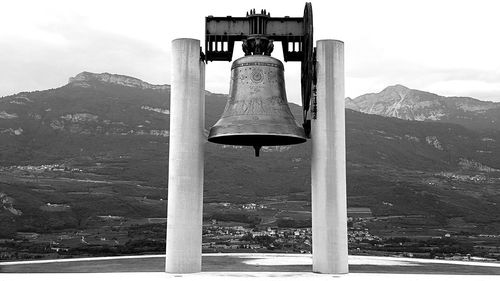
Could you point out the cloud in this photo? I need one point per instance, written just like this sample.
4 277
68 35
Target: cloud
53 52
479 89
448 81
424 44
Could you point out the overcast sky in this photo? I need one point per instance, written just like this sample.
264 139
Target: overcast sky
450 48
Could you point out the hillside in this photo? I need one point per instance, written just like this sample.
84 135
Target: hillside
98 146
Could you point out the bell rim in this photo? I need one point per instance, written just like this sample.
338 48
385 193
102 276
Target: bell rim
279 139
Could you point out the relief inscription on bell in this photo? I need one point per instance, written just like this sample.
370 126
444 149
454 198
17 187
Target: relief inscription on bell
268 106
257 75
255 79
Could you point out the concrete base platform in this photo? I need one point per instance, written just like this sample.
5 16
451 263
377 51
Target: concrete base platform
236 266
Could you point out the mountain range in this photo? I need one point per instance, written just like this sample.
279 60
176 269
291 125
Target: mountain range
401 102
99 145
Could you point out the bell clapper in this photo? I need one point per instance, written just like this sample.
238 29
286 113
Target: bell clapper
257 150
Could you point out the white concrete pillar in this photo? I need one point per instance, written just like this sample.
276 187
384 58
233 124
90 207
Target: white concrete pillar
186 153
328 162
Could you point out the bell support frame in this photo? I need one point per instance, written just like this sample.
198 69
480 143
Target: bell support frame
259 31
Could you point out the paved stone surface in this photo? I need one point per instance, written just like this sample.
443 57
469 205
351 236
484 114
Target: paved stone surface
252 263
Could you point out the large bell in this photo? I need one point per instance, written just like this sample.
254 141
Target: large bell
257 112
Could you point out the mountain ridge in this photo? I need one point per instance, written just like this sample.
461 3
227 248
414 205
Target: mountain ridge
409 104
82 80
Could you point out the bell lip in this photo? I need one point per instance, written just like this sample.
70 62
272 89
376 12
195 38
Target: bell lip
285 139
